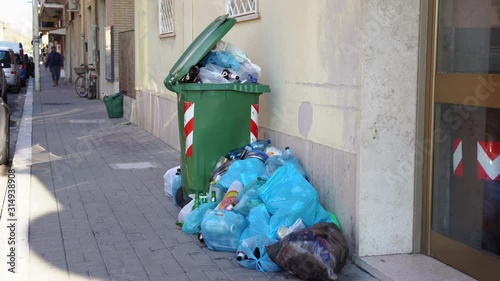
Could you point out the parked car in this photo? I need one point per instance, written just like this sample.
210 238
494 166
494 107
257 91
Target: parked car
22 70
10 67
3 86
17 47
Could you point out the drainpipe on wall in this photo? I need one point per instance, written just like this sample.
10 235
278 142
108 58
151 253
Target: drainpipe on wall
95 49
69 52
36 45
94 32
82 33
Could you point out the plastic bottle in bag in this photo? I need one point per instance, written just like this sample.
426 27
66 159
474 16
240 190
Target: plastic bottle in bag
260 144
248 72
238 153
230 196
212 73
288 156
230 76
222 230
220 168
192 75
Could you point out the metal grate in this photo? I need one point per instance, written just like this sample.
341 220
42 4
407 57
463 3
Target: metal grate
166 16
239 8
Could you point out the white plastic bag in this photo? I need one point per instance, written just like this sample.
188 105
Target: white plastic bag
186 209
168 178
238 54
62 74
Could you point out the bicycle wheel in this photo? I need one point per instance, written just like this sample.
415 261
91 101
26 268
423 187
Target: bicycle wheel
80 87
92 90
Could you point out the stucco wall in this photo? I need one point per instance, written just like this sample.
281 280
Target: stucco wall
342 96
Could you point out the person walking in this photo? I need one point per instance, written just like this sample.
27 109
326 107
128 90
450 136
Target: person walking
55 63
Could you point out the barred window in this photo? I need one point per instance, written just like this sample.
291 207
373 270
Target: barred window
242 9
166 17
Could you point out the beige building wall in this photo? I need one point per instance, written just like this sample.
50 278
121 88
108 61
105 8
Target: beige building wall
343 97
77 27
120 15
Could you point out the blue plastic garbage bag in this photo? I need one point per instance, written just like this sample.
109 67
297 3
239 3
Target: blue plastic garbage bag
277 161
289 196
192 221
223 59
258 222
252 254
244 171
222 230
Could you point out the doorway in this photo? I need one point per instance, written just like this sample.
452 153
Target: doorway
464 130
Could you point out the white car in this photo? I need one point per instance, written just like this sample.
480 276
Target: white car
3 86
11 69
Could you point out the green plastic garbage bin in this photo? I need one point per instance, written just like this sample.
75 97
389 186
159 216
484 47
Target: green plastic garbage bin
114 105
213 118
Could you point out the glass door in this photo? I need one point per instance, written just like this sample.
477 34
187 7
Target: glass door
465 181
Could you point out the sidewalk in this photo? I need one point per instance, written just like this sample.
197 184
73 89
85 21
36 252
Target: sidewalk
95 202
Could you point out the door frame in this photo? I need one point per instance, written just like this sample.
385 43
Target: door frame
469 260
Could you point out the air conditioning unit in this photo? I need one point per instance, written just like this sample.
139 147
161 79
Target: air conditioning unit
73 5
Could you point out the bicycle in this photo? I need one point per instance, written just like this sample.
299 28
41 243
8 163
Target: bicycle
85 84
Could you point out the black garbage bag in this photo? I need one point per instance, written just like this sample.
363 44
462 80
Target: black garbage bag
318 252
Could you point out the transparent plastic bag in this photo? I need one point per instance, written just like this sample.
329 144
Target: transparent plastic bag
248 198
222 230
192 221
248 72
277 161
212 74
238 54
273 151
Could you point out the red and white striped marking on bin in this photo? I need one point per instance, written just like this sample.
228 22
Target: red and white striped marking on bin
254 122
189 127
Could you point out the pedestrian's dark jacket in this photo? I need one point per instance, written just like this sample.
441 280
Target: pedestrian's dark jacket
54 59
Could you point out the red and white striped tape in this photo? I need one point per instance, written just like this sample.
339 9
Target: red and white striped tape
189 127
254 122
458 167
488 160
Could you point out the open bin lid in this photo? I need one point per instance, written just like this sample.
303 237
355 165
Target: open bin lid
199 48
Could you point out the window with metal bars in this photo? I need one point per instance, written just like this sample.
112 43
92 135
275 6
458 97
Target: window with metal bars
166 17
242 9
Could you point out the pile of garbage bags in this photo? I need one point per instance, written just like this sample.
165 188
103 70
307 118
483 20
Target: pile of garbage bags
226 63
261 206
